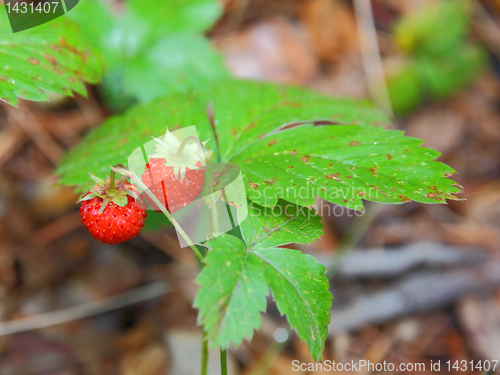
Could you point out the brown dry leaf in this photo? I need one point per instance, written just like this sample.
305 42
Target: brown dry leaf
442 129
151 360
480 318
468 233
346 78
495 4
281 365
12 138
32 353
379 350
115 273
484 205
417 229
332 27
275 50
140 335
49 201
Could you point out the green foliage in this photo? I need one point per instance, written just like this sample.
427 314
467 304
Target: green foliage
446 76
440 59
282 224
406 89
230 302
272 133
436 29
50 57
152 50
291 144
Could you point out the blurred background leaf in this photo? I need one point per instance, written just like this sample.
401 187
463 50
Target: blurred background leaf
440 59
152 50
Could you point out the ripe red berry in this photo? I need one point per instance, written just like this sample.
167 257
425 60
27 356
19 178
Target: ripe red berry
174 174
111 212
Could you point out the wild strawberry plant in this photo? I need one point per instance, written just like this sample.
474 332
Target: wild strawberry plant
51 57
292 145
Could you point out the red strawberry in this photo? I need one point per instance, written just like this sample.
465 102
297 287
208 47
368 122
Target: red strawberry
110 210
174 174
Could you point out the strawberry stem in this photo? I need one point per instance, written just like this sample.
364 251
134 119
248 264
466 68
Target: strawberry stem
112 190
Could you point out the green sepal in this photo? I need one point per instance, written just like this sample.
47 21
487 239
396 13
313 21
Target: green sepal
104 204
96 179
120 200
87 197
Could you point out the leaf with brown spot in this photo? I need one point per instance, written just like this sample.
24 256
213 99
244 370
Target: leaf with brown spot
28 61
333 176
230 302
309 149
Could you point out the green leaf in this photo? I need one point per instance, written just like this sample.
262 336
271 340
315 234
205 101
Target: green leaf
50 57
406 89
153 50
290 143
342 164
300 289
435 29
445 76
231 301
169 16
440 60
113 142
283 224
173 64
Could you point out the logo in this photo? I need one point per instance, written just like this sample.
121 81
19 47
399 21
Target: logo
220 206
25 14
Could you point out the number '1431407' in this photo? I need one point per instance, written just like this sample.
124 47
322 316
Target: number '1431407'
25 7
487 365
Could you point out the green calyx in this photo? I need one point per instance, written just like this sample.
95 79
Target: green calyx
110 190
180 155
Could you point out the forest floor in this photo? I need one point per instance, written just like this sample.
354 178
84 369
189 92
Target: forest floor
421 286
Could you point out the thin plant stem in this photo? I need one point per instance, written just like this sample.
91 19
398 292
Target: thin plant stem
223 362
112 183
370 53
204 355
213 206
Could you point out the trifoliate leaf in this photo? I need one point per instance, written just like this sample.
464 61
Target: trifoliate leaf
234 284
50 57
290 144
